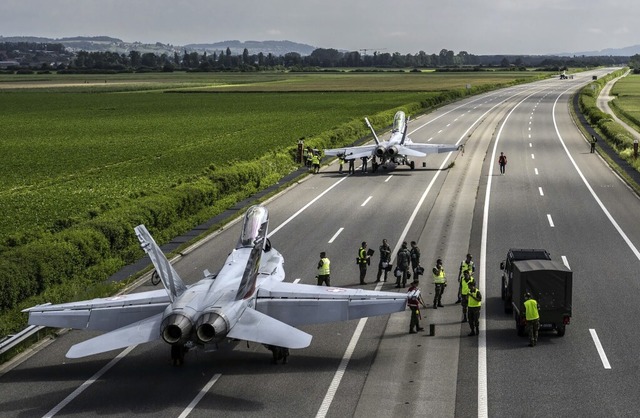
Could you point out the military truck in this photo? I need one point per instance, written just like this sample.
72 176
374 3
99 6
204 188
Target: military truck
549 282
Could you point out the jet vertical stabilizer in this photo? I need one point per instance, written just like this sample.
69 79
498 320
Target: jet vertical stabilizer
254 236
170 279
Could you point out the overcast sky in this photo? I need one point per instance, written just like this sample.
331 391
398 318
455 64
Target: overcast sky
407 26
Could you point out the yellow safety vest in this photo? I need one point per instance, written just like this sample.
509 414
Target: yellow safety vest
531 309
464 267
324 269
439 278
362 256
464 291
315 159
473 302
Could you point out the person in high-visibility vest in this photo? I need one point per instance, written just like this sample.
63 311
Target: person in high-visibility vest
466 264
464 292
533 318
324 271
363 261
315 161
440 282
475 302
341 161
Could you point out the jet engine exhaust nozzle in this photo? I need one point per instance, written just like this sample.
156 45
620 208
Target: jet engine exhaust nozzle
212 326
380 151
175 328
392 151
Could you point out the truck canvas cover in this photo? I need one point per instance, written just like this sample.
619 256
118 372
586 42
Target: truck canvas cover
550 283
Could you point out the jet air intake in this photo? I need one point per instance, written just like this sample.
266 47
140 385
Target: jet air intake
175 328
212 326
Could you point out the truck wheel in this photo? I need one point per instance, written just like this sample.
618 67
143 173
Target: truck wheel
561 330
504 291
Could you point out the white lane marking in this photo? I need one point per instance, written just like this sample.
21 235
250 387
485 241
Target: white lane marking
366 201
200 395
335 235
535 170
89 382
564 261
530 145
388 178
540 190
603 356
440 131
593 193
296 281
337 378
550 220
533 157
483 409
448 124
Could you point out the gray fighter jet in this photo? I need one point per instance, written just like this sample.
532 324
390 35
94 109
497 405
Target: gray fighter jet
246 300
396 150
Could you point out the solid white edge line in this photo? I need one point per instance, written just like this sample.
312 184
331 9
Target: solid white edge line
200 395
483 409
89 382
603 356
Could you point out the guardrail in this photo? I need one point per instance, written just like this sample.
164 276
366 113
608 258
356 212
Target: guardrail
18 338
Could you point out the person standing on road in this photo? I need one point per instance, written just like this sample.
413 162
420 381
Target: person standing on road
533 318
466 264
440 281
475 303
466 281
352 167
403 259
414 300
341 161
415 258
365 160
502 162
324 272
315 160
385 260
593 143
363 261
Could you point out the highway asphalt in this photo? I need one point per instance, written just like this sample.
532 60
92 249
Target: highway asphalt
555 195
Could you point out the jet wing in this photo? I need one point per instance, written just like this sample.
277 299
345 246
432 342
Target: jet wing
258 327
104 314
352 152
137 333
409 147
300 304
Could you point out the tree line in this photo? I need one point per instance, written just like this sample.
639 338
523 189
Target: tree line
321 58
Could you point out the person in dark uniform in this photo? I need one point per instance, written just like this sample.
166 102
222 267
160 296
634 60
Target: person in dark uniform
403 259
415 258
593 143
502 162
414 300
352 167
363 261
385 260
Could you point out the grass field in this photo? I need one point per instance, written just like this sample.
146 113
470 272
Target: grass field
75 143
627 91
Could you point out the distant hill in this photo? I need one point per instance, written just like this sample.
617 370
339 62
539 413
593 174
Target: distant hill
106 43
616 52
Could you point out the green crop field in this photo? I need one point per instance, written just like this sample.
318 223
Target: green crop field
627 92
73 144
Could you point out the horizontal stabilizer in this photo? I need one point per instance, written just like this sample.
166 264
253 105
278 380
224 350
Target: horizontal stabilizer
258 327
136 333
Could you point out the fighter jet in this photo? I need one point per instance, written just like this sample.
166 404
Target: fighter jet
396 150
246 300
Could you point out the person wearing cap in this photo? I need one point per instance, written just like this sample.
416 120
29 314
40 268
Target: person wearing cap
385 261
466 264
414 300
467 279
440 281
415 258
475 303
324 271
533 318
